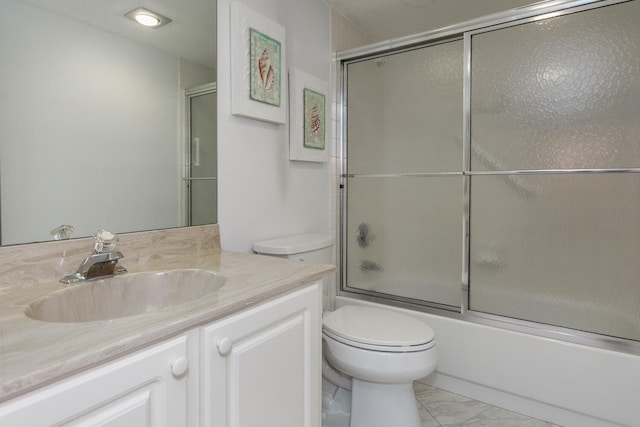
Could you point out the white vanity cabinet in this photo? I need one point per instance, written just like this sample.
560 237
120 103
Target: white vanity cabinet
146 388
262 367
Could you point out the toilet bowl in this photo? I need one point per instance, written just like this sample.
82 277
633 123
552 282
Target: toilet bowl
384 352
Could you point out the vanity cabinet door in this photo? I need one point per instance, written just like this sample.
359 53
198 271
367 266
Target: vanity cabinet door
147 388
263 367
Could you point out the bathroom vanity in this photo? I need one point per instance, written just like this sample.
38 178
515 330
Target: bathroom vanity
247 354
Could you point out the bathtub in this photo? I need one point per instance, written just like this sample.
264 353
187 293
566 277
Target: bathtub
561 382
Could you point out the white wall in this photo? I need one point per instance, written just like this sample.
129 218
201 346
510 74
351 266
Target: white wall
261 193
123 147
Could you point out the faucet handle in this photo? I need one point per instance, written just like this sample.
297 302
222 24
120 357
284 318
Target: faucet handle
62 232
105 241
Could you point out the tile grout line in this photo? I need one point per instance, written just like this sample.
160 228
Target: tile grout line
428 412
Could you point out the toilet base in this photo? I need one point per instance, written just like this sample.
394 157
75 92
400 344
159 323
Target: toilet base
383 405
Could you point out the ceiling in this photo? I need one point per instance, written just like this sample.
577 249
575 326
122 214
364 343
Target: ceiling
191 34
388 19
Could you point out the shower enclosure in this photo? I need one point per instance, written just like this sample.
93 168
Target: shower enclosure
491 171
201 169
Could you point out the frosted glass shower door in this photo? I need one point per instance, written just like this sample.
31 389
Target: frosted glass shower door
203 153
404 204
554 101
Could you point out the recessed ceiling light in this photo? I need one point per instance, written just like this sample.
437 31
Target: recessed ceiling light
147 17
147 20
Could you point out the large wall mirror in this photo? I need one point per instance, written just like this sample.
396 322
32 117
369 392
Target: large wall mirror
105 123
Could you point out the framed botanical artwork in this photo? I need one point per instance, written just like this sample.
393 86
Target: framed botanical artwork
258 82
308 126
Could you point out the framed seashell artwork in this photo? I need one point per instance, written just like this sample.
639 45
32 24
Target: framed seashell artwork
308 116
265 68
314 118
257 66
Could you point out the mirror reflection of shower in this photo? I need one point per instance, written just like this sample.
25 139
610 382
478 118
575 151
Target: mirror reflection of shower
201 166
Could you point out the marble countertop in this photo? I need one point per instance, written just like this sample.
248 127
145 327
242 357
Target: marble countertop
35 353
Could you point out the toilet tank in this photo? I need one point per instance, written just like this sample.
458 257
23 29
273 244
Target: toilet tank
316 248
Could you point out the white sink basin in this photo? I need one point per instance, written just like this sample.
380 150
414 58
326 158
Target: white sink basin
126 295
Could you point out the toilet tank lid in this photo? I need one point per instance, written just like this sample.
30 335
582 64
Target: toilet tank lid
293 244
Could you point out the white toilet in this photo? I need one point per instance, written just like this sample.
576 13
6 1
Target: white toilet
384 352
372 355
302 247
317 248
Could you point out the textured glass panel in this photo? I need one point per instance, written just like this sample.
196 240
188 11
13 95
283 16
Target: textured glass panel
405 111
558 93
204 195
204 160
404 237
566 252
204 147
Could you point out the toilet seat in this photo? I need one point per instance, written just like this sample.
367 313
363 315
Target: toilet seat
376 329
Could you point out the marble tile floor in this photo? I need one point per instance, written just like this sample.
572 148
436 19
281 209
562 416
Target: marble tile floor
439 408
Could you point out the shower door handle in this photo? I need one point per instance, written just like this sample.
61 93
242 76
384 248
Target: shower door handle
195 152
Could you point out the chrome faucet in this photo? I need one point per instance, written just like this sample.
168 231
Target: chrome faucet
101 263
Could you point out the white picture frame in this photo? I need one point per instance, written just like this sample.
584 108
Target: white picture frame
299 149
244 24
